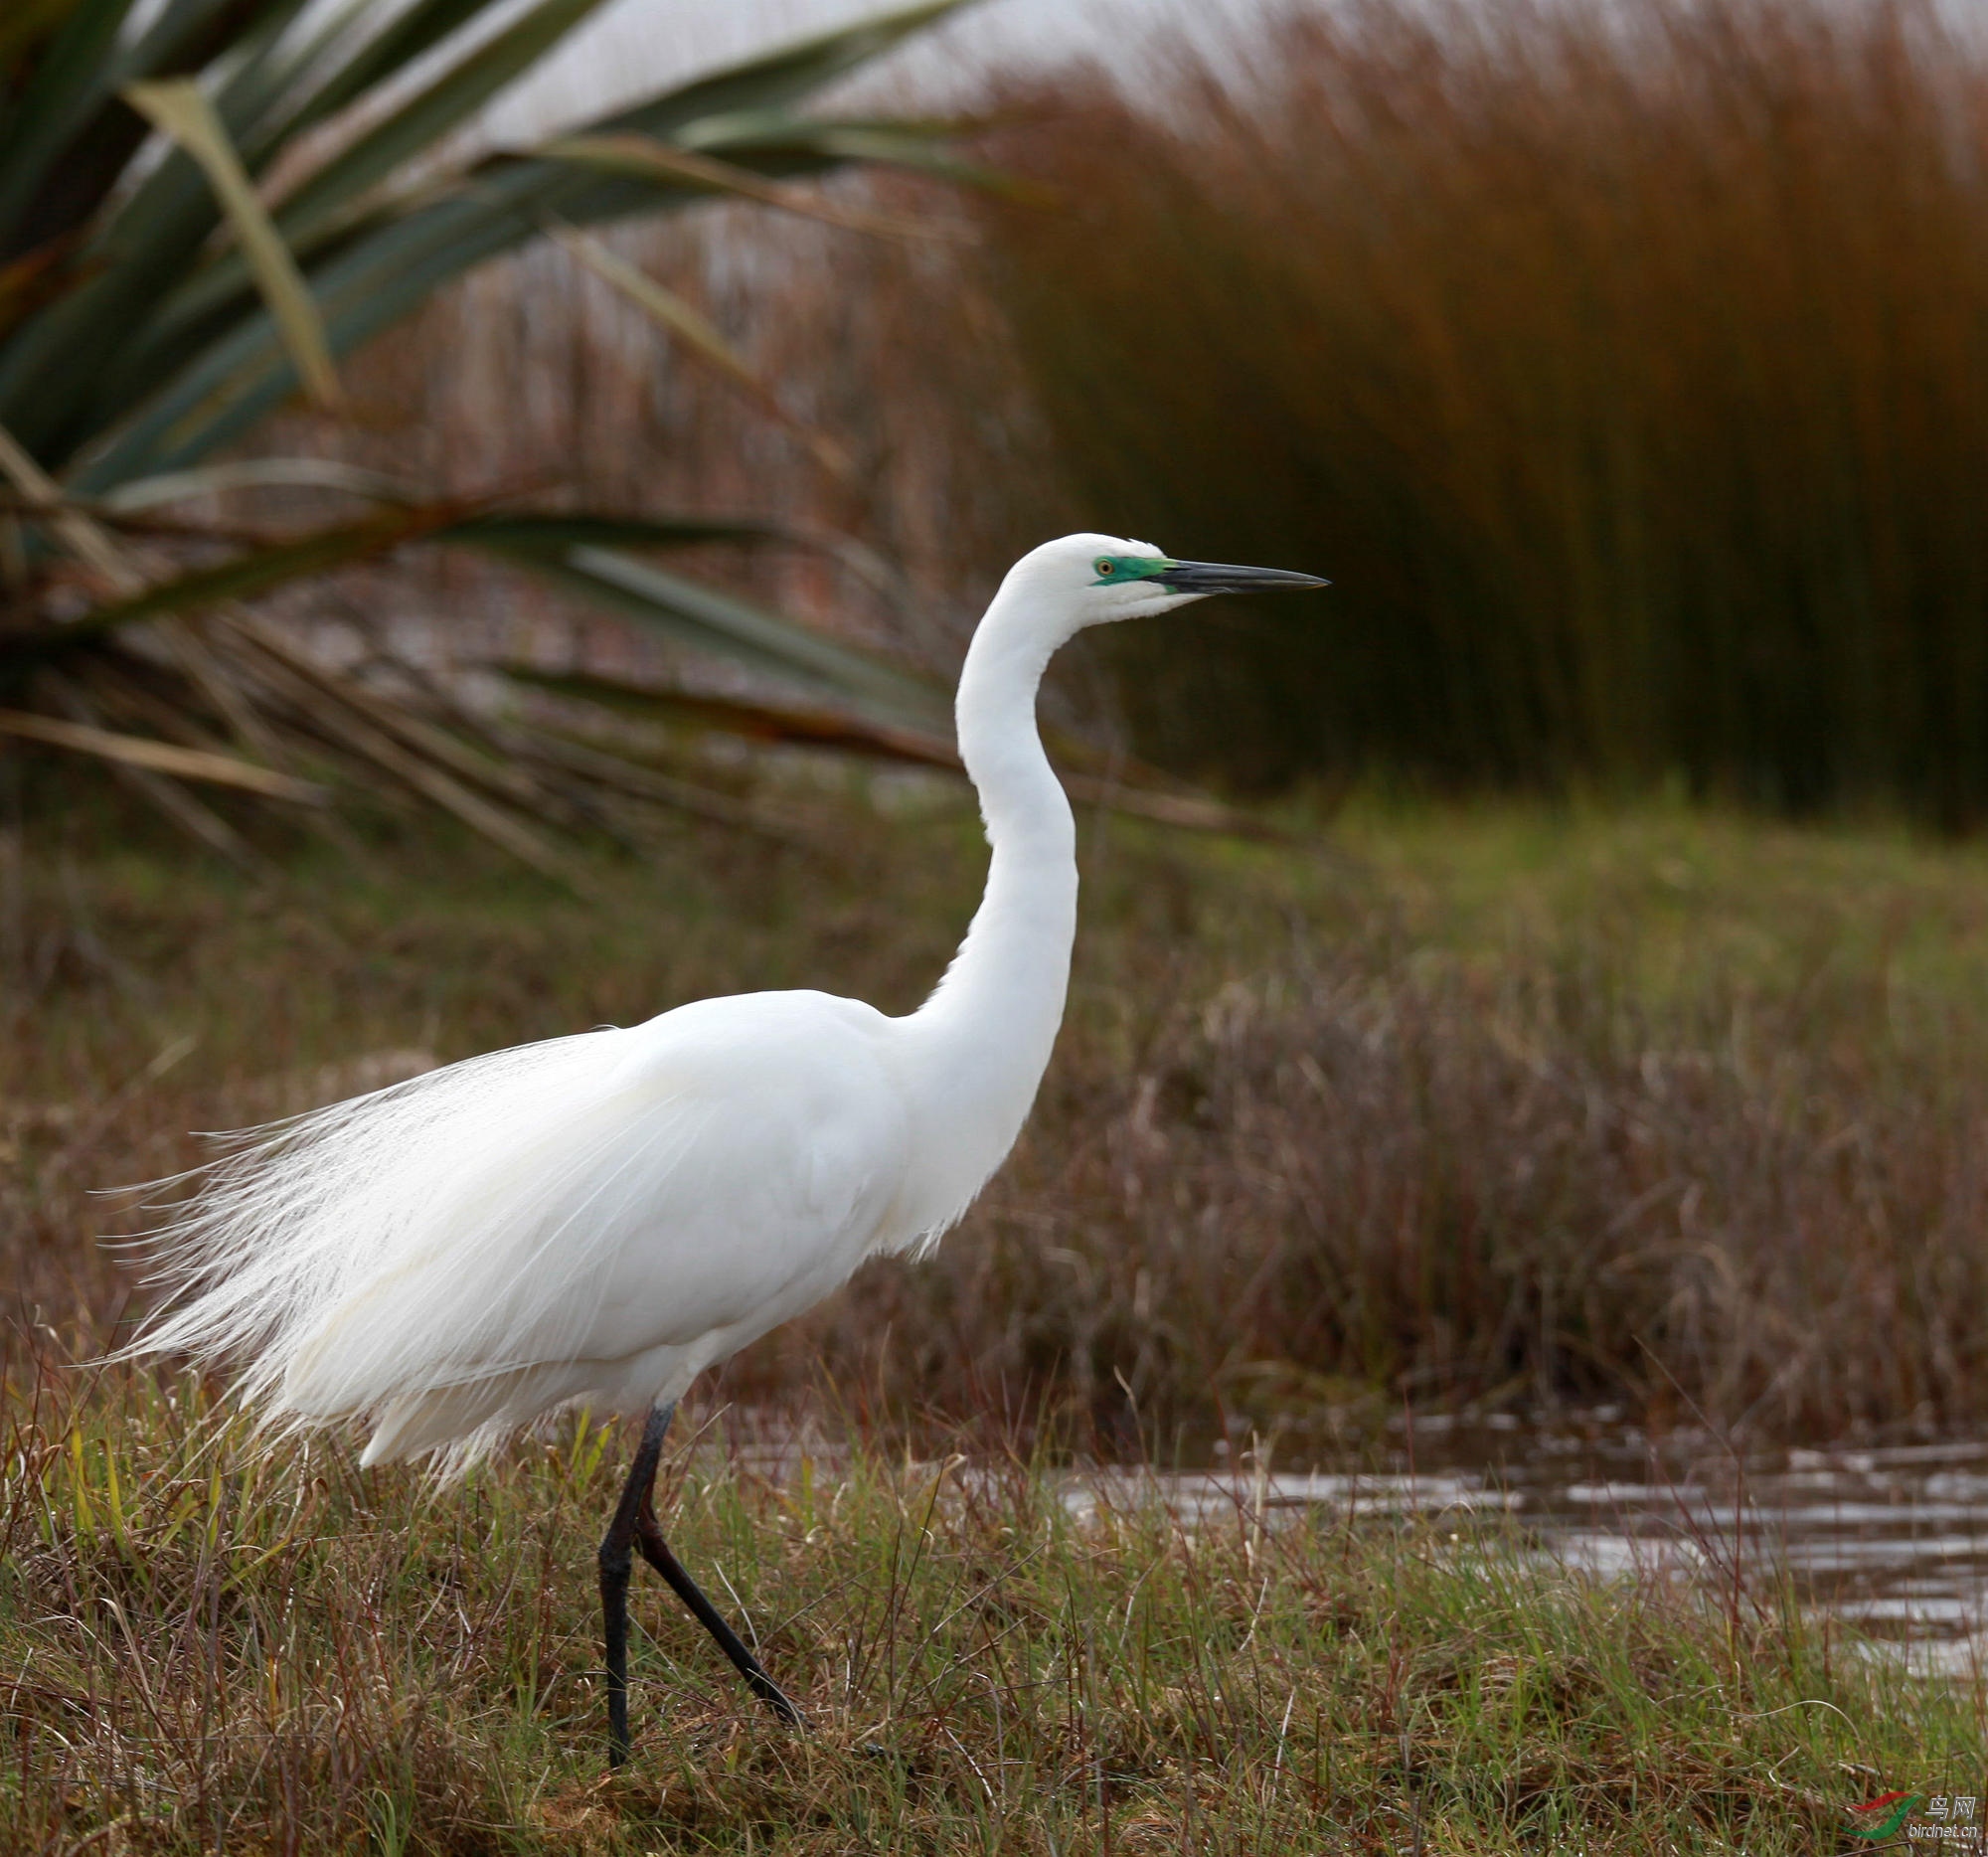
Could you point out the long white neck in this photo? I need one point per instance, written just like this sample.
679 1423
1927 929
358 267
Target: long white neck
981 1042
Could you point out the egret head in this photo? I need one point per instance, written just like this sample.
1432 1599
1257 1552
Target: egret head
1099 579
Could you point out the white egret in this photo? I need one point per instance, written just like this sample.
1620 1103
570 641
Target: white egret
598 1219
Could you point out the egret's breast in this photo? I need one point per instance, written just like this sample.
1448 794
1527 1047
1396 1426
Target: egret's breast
780 1143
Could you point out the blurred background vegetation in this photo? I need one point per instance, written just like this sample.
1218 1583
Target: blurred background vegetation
1623 367
1626 367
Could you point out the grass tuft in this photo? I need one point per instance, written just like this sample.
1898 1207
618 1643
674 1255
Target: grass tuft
210 1650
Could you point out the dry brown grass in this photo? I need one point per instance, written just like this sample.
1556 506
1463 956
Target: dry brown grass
1638 1108
1466 1158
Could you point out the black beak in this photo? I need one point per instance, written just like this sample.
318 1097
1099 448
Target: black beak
1210 577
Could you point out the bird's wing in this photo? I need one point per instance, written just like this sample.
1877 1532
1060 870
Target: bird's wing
584 1200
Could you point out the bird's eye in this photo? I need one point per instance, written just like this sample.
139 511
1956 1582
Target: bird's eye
1105 566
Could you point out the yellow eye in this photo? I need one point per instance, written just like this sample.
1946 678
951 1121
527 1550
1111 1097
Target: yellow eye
1105 566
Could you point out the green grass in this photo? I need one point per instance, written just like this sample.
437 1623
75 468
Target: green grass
287 1654
199 1647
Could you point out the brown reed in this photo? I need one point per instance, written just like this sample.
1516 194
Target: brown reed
1626 367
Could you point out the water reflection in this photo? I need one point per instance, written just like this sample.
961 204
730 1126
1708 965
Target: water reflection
1893 1539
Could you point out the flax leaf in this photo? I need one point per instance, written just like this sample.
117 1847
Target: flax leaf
179 108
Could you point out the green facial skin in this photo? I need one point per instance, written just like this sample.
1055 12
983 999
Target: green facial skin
1114 568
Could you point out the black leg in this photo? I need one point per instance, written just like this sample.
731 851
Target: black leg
615 1564
635 1526
656 1551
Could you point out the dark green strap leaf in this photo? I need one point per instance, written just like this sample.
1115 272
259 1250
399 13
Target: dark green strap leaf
256 571
735 628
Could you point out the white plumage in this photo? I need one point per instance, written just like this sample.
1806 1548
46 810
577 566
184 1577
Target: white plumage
594 1218
599 1218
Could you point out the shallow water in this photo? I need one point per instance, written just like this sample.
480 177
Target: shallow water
1893 1539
